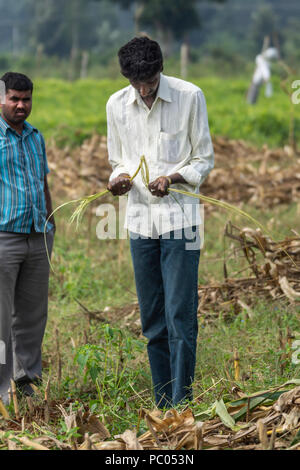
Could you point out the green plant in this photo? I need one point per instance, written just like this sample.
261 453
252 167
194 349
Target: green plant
107 364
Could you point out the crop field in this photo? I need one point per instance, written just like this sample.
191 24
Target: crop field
70 112
94 356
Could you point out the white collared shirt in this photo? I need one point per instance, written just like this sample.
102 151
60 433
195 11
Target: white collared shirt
174 137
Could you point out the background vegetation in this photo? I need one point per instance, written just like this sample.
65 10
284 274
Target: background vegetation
70 112
79 38
69 48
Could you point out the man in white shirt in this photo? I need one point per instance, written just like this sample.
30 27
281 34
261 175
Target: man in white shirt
164 119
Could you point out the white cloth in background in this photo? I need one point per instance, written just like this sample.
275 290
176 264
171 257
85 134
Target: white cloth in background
174 137
262 72
262 75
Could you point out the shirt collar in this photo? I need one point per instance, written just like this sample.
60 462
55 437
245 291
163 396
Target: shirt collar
28 128
163 91
3 125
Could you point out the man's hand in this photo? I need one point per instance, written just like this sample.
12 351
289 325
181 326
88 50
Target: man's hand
159 187
120 185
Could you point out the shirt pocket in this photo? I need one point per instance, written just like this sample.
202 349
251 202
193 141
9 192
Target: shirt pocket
170 146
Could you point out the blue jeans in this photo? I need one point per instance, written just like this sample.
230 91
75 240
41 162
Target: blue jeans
166 276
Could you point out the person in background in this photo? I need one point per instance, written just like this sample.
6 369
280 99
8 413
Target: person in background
25 204
165 119
262 74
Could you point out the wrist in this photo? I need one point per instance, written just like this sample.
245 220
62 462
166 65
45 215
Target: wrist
168 178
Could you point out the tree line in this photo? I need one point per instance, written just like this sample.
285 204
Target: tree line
80 29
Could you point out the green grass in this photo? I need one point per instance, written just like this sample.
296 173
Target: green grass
99 274
257 342
69 112
118 383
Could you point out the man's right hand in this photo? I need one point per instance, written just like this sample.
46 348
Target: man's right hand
120 185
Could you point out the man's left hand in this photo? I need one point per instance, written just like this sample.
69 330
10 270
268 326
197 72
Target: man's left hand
159 187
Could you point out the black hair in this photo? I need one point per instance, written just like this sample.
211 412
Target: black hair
17 81
140 59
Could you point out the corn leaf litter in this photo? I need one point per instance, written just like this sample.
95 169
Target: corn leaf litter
274 426
296 439
220 409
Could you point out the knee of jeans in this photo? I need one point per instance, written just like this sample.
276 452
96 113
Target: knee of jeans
187 335
155 334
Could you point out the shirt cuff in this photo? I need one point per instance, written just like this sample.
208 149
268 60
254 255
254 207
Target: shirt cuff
191 176
117 171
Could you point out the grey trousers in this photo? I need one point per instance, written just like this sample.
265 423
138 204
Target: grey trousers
253 92
24 280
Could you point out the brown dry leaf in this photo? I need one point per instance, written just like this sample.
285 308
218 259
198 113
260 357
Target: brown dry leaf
186 442
30 443
157 423
175 428
91 424
286 400
288 290
291 419
59 444
109 445
262 434
198 438
217 440
12 445
243 433
173 419
3 410
85 421
70 418
247 308
130 439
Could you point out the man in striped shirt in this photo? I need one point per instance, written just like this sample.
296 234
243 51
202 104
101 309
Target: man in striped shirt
25 204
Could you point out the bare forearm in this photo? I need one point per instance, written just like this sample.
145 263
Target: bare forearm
48 201
176 178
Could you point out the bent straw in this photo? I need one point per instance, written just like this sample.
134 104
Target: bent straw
224 205
144 169
86 200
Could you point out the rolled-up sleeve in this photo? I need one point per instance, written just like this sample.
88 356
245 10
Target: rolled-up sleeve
114 144
202 154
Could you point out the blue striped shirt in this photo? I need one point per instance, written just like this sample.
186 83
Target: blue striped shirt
23 166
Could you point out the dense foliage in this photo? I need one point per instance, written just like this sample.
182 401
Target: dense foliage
54 38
